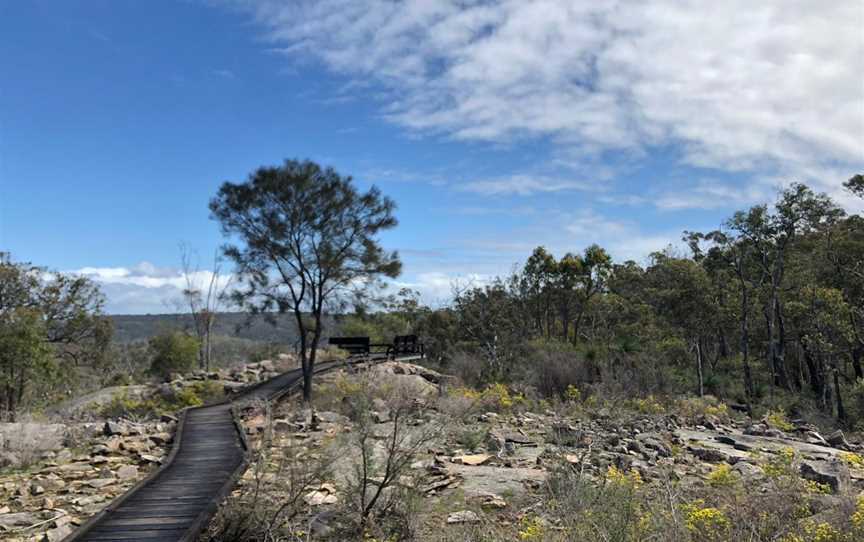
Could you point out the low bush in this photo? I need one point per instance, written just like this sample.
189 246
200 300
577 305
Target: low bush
195 394
173 352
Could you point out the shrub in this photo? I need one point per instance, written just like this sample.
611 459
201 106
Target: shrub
196 394
495 396
778 420
722 476
173 352
471 439
707 523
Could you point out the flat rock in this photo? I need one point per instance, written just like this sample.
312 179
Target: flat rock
99 483
463 516
127 472
474 459
18 519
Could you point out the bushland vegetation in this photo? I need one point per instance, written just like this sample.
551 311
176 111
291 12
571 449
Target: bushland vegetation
766 313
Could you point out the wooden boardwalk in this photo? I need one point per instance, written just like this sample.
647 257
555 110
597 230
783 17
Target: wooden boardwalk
176 502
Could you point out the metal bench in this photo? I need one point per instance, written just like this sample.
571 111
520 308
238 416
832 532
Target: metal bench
405 345
354 345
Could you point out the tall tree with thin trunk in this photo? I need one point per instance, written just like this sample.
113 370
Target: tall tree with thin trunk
305 236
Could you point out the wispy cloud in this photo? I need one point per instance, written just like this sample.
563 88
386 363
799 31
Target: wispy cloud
223 73
709 194
522 185
771 87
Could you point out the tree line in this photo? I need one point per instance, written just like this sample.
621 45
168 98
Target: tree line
767 309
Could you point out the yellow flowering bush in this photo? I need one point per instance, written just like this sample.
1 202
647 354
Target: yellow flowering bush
722 476
530 528
780 464
706 523
627 479
649 405
852 459
778 420
573 393
817 487
495 395
822 532
717 410
858 517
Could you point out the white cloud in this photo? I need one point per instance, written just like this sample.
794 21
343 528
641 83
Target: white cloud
145 288
708 194
522 185
436 288
767 87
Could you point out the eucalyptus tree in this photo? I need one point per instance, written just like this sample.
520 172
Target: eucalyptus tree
305 236
855 184
797 212
679 292
536 284
50 324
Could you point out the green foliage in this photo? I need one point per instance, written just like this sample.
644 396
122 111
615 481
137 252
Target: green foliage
306 235
195 394
49 323
173 352
24 356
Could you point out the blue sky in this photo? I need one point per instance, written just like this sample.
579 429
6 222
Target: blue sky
496 126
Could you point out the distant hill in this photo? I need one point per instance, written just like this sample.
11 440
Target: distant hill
133 327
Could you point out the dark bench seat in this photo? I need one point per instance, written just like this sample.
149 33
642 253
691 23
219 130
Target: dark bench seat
360 346
354 345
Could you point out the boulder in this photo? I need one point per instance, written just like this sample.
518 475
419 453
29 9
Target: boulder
838 440
711 455
833 473
113 428
9 459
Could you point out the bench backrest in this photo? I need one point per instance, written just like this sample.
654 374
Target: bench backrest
355 345
405 344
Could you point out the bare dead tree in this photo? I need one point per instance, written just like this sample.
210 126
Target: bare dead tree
203 297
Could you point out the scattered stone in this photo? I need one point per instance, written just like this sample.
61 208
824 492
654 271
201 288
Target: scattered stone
114 428
463 516
100 482
475 459
324 494
127 472
57 534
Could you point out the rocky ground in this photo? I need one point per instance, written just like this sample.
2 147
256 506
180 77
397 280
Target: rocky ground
476 458
483 462
53 476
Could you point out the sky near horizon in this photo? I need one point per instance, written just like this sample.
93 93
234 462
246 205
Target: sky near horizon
497 126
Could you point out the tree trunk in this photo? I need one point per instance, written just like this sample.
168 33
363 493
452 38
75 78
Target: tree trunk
699 373
208 342
304 352
841 412
815 376
857 354
745 342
